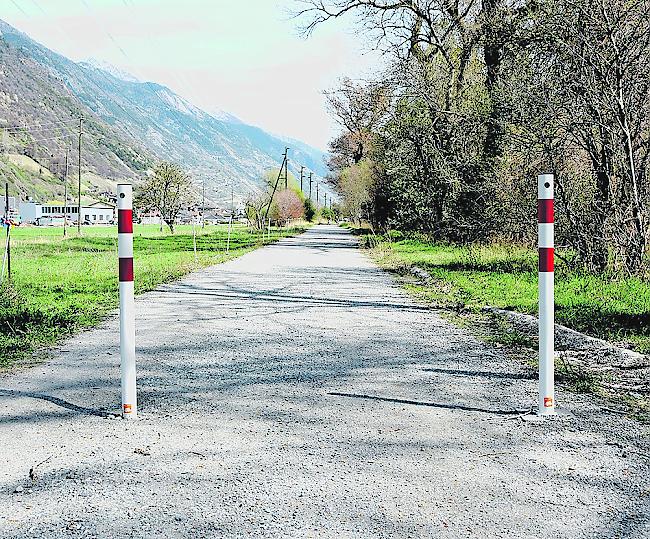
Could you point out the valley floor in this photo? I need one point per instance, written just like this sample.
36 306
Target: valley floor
62 284
297 391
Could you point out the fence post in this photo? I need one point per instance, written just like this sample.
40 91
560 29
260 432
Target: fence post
8 245
127 303
545 219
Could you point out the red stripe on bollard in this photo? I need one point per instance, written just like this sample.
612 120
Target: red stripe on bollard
126 270
546 258
545 210
125 221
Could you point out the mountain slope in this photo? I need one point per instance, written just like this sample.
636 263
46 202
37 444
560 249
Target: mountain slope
217 150
31 95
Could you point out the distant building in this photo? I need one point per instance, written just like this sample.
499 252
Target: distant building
98 213
13 210
94 213
149 218
187 217
216 219
108 196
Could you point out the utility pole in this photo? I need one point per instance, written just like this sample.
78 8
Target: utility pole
266 214
301 175
326 200
310 181
65 193
286 168
232 215
8 244
203 207
317 196
81 130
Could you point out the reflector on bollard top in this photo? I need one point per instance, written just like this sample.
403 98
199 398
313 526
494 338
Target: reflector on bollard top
127 302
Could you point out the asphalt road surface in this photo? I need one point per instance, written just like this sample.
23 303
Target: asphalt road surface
299 392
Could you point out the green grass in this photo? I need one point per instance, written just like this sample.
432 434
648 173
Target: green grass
617 309
466 279
61 285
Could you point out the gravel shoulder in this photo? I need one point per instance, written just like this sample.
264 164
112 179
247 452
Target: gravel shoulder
297 391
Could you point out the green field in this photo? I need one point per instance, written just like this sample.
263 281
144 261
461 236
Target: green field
61 285
617 309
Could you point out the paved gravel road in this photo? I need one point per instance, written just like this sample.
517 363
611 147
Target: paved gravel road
298 392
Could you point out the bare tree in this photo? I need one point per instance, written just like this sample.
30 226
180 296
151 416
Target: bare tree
255 206
582 94
359 110
604 53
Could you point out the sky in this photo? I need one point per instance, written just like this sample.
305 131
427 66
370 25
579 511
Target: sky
246 57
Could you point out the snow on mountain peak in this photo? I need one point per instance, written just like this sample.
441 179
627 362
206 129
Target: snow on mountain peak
223 116
110 69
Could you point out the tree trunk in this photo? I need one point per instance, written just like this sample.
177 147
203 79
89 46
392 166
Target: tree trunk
492 55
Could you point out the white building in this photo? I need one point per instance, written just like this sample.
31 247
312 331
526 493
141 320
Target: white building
96 213
13 210
150 218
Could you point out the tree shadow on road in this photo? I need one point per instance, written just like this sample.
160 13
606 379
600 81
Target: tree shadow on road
484 374
54 400
430 404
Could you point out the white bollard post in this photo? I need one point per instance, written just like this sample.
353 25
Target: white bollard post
229 231
127 303
545 219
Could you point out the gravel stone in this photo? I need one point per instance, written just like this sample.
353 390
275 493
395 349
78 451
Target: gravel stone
298 392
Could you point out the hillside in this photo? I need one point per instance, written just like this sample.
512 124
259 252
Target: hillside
33 156
131 123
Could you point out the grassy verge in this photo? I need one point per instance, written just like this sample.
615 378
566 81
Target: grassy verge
466 279
506 277
62 285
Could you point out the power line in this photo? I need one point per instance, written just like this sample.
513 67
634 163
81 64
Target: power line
81 132
181 80
286 168
19 8
60 137
40 125
124 53
116 102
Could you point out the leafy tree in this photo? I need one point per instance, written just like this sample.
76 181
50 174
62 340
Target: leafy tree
289 206
309 210
167 192
328 213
